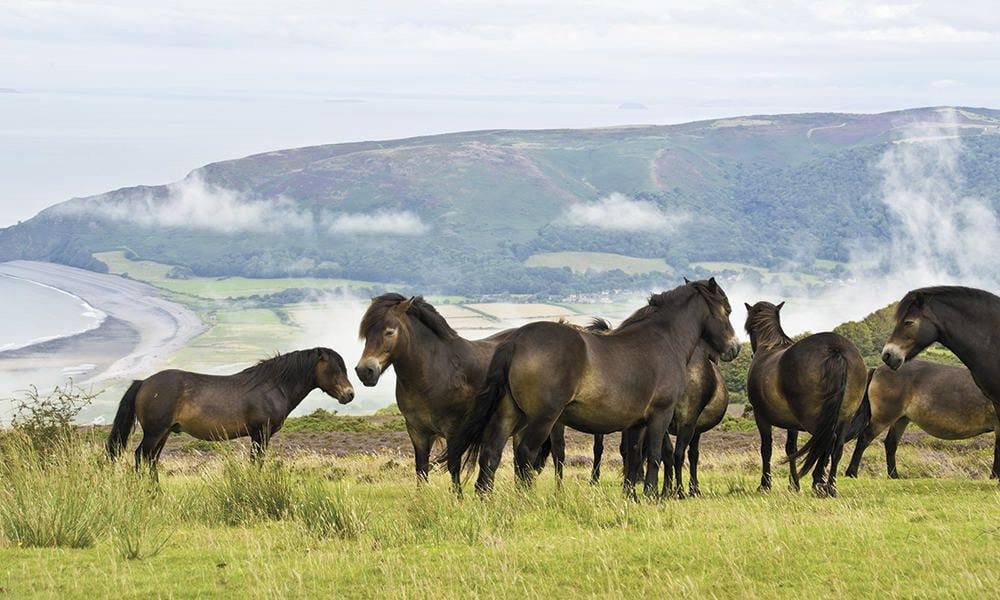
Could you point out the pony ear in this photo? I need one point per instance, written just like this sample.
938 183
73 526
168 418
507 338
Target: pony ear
918 300
687 281
712 285
406 304
747 304
782 303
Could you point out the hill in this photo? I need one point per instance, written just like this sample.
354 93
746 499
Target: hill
466 212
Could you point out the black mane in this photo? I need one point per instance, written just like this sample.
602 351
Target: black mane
420 309
655 304
948 291
290 367
764 320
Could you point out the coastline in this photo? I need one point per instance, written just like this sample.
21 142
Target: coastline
90 311
139 331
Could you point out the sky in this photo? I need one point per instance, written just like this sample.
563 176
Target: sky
116 93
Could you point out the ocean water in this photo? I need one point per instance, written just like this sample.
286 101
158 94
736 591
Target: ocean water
33 313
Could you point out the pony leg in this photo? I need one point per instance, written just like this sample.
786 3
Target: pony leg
558 437
791 447
422 443
656 430
835 456
501 426
148 451
891 443
995 472
684 437
260 439
766 442
667 454
864 440
595 471
693 454
532 437
819 475
631 450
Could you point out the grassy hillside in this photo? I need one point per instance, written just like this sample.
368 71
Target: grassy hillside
762 191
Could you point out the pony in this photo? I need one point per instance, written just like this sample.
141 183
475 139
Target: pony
253 402
814 385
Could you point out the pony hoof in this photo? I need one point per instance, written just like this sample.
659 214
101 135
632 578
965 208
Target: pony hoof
851 474
694 491
894 475
820 490
764 488
831 491
680 494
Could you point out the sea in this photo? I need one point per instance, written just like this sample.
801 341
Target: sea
33 313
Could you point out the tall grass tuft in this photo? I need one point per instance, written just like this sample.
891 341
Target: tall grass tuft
65 494
330 515
246 492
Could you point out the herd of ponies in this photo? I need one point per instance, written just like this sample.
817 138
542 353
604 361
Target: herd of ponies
654 375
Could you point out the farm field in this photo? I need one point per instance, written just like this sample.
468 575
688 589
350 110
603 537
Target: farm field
318 522
598 261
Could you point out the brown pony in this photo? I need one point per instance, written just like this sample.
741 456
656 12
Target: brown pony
962 319
814 385
438 372
253 402
943 400
702 408
548 374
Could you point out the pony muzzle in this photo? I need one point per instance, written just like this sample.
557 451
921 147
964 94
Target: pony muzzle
345 395
368 370
893 356
733 351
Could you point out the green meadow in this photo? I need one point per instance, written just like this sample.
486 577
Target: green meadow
314 524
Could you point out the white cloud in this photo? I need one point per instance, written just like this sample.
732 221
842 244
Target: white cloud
620 213
388 223
194 204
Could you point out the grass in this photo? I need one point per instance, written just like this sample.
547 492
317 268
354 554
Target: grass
321 421
222 527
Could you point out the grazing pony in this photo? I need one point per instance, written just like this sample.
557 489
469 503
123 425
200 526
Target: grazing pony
814 385
549 374
943 400
253 402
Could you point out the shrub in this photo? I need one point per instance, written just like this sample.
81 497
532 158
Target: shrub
48 420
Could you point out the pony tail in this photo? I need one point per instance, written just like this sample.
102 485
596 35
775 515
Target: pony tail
863 417
834 384
124 421
463 446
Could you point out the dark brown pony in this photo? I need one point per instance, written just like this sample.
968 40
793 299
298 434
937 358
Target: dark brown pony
253 402
964 320
701 409
814 385
548 374
438 372
943 400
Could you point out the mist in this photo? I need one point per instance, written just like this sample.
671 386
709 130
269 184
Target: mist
618 212
938 236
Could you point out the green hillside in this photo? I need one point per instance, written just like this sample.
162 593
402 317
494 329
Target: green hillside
764 191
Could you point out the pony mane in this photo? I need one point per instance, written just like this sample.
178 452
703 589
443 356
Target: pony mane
597 325
953 291
654 305
422 310
767 325
286 368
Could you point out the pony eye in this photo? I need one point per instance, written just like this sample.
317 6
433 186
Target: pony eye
390 332
908 323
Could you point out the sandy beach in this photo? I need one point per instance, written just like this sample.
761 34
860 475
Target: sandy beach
141 330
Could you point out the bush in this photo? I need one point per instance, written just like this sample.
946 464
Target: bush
48 420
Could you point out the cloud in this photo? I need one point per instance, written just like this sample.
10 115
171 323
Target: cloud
389 223
195 204
617 212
